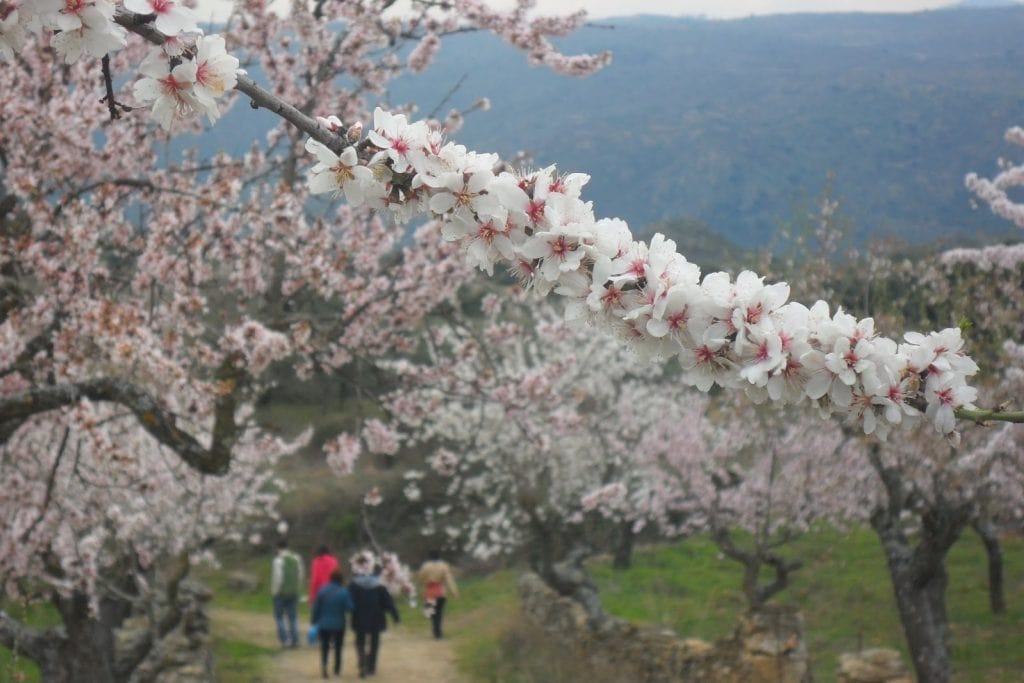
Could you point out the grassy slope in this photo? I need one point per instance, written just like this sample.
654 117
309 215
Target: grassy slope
843 591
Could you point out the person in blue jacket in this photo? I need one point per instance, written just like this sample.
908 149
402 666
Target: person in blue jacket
332 605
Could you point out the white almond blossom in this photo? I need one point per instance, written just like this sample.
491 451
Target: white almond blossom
172 91
12 35
87 27
216 72
333 173
171 17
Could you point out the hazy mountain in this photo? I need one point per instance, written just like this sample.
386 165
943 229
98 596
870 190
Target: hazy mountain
733 122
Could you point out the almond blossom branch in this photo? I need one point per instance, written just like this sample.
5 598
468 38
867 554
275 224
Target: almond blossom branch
259 97
981 416
740 334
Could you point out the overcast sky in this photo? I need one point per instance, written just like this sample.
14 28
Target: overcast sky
721 9
733 8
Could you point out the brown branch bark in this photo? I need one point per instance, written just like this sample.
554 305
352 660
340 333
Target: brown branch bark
17 408
258 96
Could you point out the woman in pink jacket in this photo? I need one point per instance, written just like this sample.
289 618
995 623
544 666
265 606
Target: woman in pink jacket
320 571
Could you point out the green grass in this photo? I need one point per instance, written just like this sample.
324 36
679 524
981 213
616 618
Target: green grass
486 608
39 615
843 591
236 661
217 580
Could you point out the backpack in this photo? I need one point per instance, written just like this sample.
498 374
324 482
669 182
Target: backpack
289 576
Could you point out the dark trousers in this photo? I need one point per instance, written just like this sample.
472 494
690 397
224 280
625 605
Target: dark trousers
437 615
367 656
327 639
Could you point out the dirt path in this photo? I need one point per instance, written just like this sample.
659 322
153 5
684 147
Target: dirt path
407 652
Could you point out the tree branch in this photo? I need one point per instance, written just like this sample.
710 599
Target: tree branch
136 183
170 619
33 643
17 408
980 416
783 568
258 97
113 106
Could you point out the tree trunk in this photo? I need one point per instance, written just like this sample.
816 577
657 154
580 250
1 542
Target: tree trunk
922 609
918 569
86 653
996 591
623 557
919 581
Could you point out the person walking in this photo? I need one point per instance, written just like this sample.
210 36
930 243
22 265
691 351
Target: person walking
372 603
320 571
285 583
330 611
438 582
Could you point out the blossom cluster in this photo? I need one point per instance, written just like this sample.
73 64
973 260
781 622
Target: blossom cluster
388 568
740 333
183 78
995 191
998 257
78 26
190 87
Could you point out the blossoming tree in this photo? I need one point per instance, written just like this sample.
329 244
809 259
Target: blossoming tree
753 480
523 417
144 297
917 492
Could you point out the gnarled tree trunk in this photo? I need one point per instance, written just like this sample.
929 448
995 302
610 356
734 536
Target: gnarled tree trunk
918 571
996 592
83 650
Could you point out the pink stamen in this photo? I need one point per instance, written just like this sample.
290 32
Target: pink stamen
535 210
705 354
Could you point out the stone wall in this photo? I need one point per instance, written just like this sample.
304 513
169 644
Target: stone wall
183 655
875 665
766 647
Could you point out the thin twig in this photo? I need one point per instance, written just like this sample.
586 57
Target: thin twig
447 96
113 106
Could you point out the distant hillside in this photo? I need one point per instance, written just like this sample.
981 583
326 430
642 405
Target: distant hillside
730 122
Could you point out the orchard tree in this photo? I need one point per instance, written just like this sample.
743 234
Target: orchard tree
145 297
925 495
752 478
921 493
100 518
761 491
523 417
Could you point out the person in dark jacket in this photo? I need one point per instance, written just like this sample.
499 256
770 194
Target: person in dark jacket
331 607
372 602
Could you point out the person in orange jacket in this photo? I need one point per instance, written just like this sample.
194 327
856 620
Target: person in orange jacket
438 583
320 571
